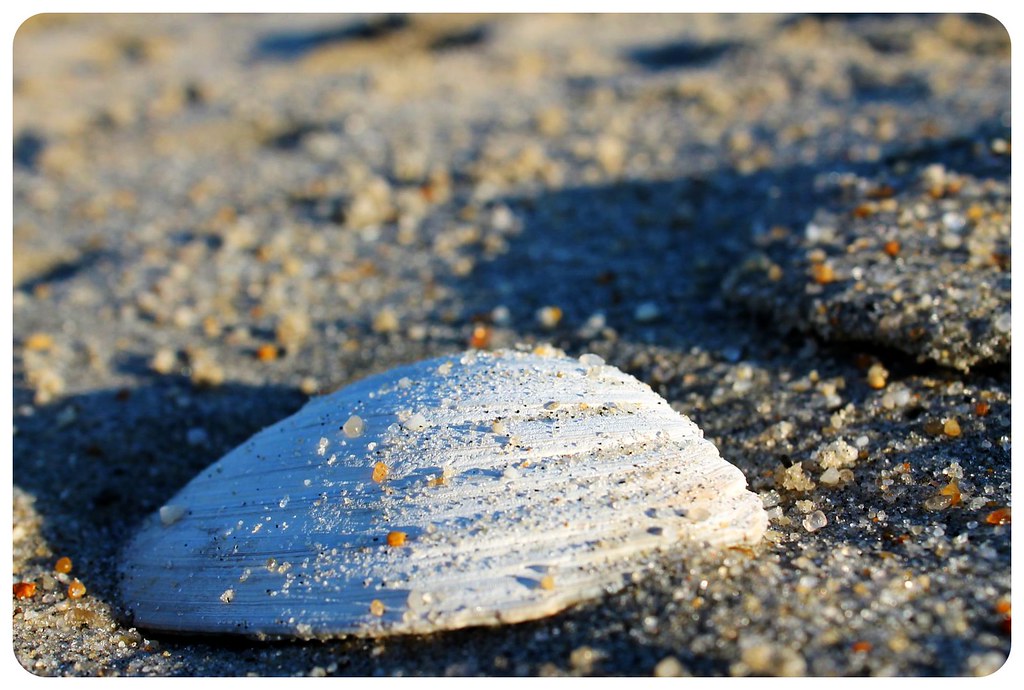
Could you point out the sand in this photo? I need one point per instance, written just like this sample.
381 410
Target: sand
796 229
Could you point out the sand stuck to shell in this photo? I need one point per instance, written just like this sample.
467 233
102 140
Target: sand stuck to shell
483 488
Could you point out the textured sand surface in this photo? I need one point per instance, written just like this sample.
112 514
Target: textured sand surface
796 229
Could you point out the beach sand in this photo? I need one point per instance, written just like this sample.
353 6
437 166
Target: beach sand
795 228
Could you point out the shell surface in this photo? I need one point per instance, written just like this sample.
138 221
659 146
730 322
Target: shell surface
474 489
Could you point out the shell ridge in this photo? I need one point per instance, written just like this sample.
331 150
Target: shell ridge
289 534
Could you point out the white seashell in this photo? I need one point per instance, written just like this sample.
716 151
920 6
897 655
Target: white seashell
464 499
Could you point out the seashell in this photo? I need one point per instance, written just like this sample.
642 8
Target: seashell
474 489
